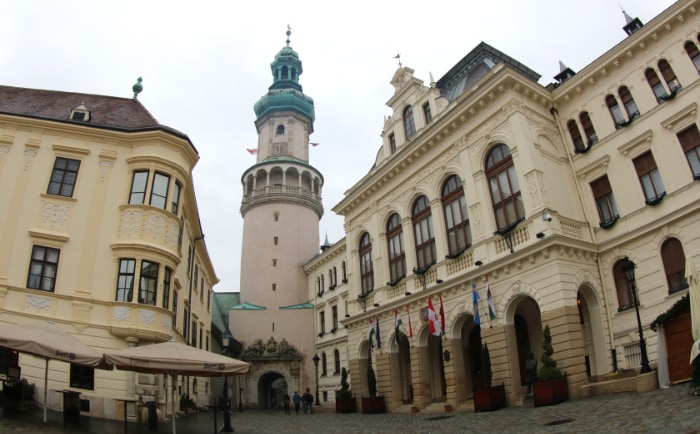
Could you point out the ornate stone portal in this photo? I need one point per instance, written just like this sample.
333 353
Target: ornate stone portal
270 362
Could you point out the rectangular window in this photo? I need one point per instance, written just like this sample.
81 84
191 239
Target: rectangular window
43 268
125 280
185 328
334 310
322 321
175 204
159 190
194 334
605 201
209 299
167 277
138 187
174 308
427 113
392 142
148 283
82 377
690 142
196 276
63 176
649 177
201 329
201 290
276 240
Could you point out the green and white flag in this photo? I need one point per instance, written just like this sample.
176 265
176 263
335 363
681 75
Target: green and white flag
372 331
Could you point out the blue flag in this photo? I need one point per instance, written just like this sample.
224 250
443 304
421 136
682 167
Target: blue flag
379 339
475 302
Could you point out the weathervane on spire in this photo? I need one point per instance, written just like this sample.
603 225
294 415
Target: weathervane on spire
289 32
398 56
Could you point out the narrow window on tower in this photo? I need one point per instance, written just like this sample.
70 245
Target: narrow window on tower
276 240
274 262
276 215
274 287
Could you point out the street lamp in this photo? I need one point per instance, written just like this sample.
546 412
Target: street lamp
628 267
316 359
225 340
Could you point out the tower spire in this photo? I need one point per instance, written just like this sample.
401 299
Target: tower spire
289 32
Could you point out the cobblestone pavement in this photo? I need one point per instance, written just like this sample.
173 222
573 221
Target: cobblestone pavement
671 410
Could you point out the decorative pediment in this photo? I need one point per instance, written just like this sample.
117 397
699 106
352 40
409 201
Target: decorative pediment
271 350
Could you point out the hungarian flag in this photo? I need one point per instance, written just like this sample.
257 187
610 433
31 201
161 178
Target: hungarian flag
379 339
489 300
372 331
410 328
475 303
442 316
397 323
435 328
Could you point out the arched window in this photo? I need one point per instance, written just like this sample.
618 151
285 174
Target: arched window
669 76
330 279
575 135
397 254
324 369
693 53
409 124
690 142
459 236
655 83
280 130
335 276
628 102
336 361
323 284
345 272
615 111
674 264
424 233
625 298
588 129
366 269
503 183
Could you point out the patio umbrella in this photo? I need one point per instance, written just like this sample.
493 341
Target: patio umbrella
174 358
48 341
691 276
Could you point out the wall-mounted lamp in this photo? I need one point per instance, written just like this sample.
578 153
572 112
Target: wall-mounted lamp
376 304
408 293
347 315
540 235
446 355
478 263
439 281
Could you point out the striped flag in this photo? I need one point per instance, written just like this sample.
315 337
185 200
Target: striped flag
371 333
475 303
379 339
442 316
410 328
489 300
252 151
435 329
313 144
397 323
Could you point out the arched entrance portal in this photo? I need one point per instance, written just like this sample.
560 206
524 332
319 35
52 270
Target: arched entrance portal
591 320
467 357
437 369
402 384
524 336
271 388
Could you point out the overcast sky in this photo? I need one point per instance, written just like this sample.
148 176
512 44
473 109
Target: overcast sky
205 63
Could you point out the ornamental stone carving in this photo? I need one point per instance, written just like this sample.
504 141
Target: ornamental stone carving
38 302
54 214
147 317
120 313
105 168
271 350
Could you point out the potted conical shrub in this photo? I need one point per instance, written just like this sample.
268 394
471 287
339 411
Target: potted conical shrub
344 401
372 404
551 386
491 397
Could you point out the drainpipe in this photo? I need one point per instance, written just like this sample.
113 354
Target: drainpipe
188 326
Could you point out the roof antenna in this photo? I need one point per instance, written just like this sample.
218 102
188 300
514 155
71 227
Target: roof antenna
289 32
137 87
398 56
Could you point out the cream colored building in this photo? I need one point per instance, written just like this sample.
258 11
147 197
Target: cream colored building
100 234
487 178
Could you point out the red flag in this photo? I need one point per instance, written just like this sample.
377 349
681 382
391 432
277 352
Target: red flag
442 316
432 318
313 144
410 329
252 151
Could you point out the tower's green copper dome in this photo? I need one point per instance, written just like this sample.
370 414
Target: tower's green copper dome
286 92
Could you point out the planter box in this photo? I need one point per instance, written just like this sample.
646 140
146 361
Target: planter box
551 392
373 405
346 405
490 399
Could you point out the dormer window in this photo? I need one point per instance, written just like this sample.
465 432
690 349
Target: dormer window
80 113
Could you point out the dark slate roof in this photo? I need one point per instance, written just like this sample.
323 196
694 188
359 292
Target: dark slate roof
223 301
105 111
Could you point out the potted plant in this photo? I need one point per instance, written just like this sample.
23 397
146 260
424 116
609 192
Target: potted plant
489 398
344 401
551 386
372 404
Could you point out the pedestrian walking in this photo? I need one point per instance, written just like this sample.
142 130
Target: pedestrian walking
307 400
297 402
531 371
285 401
